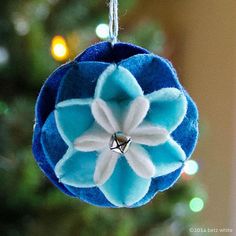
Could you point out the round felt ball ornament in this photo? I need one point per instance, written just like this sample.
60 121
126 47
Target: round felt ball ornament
114 126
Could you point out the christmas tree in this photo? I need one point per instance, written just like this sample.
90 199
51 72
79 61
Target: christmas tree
35 38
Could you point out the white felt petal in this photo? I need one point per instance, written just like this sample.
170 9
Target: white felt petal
136 113
104 116
140 162
149 135
94 139
105 166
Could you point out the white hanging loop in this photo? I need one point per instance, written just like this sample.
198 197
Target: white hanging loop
113 21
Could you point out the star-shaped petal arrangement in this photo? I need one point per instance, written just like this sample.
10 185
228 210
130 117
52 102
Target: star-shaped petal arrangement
126 124
117 75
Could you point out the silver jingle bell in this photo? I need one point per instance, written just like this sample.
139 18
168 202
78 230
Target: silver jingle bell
120 142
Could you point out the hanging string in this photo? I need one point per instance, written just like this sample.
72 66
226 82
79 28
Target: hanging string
113 21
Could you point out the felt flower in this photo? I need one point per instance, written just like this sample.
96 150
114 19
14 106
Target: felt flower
127 124
79 104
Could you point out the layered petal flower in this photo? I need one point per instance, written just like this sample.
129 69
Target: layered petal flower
120 109
72 146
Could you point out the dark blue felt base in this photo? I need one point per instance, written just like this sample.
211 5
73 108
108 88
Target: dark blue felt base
186 134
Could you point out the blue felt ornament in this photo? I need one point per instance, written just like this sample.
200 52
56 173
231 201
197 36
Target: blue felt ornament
114 126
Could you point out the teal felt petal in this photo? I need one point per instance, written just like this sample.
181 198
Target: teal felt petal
117 83
168 107
77 168
73 117
166 157
124 188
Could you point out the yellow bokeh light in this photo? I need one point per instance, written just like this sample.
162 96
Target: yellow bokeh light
59 49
